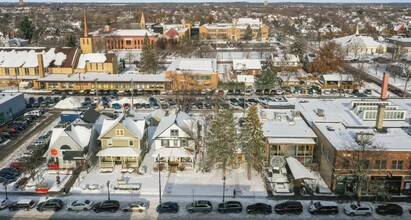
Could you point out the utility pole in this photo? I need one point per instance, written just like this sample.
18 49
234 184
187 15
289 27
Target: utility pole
17 82
108 189
132 93
159 179
223 187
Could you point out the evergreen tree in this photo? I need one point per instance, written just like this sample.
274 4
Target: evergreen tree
221 141
297 48
267 79
252 141
149 58
259 35
248 34
27 28
70 40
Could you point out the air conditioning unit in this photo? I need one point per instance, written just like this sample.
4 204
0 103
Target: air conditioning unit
320 112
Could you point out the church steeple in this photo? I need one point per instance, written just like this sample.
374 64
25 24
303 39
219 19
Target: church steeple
142 21
86 42
85 25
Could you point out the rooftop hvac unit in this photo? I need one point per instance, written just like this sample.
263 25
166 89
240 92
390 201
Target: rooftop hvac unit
320 112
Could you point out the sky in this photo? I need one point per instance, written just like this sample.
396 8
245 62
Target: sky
254 1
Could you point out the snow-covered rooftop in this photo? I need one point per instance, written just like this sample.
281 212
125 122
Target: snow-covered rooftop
358 40
337 77
90 58
193 66
246 64
104 77
395 139
132 33
28 58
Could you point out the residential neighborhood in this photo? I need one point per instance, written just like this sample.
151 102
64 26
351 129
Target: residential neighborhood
214 110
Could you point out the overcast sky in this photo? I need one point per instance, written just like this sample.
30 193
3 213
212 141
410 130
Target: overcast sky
254 1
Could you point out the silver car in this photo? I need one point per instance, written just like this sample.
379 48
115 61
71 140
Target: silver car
354 208
80 205
136 207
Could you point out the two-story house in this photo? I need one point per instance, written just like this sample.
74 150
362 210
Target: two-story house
121 142
176 139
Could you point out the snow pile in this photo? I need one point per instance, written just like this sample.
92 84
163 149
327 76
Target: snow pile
68 103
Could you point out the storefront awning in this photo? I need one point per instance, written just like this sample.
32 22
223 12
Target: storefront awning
119 152
172 152
298 170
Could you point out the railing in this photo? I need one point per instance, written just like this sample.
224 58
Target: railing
106 164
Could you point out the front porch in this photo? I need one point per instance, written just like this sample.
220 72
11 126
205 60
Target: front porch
173 159
127 157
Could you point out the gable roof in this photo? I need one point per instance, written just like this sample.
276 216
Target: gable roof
181 119
90 116
80 134
135 127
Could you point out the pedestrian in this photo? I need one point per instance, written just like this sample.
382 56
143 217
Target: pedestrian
234 193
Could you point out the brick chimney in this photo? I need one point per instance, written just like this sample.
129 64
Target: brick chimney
384 86
380 117
41 65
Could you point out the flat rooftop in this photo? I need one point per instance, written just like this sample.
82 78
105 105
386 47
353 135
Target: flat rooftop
394 139
4 97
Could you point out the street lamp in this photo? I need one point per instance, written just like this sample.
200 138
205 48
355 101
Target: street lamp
223 188
108 189
159 178
5 188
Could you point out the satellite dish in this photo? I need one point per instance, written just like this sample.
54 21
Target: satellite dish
277 162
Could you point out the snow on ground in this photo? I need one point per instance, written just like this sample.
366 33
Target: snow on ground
396 81
68 103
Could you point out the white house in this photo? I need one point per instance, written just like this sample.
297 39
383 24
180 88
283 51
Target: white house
174 141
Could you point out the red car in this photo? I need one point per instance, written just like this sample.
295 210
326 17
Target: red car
17 165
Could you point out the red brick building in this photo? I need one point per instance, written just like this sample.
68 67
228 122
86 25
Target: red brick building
128 39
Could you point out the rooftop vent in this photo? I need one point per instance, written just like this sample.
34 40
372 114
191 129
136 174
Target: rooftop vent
320 112
330 128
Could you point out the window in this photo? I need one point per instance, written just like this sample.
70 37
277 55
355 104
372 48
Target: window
119 132
110 142
131 143
7 71
165 143
396 164
174 133
183 143
175 143
36 71
26 71
16 71
380 164
346 164
365 164
128 42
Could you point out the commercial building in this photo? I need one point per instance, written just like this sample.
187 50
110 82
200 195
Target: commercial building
234 31
193 74
11 106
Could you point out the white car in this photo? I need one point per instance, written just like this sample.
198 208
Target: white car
354 208
136 207
80 205
4 203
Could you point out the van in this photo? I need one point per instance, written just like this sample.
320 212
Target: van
34 112
323 207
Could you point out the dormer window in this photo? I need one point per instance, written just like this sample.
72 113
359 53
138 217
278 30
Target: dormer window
119 132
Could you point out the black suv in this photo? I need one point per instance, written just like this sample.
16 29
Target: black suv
168 207
259 208
108 205
200 206
289 207
323 207
389 209
230 206
51 204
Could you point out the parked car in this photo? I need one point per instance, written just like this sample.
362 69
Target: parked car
289 207
200 206
389 209
80 205
25 204
168 207
136 207
323 207
51 204
354 208
4 203
259 208
230 206
108 205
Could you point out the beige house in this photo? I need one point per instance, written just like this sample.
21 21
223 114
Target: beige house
121 142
